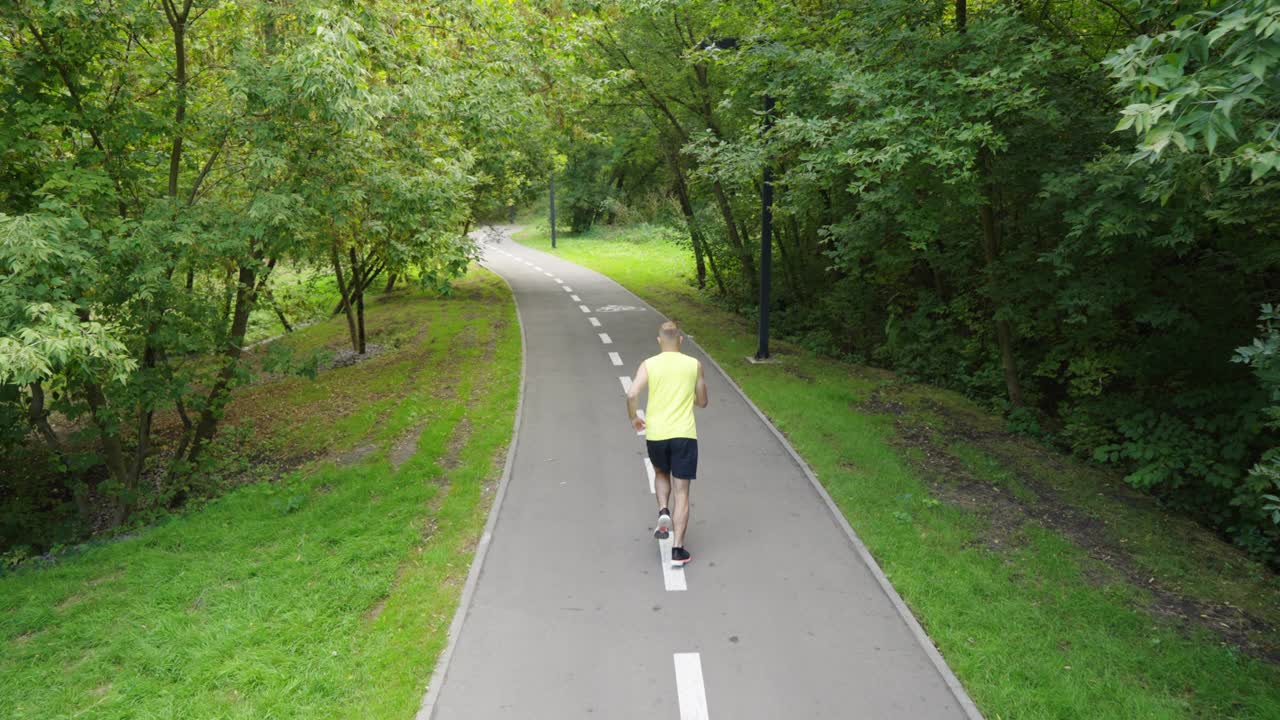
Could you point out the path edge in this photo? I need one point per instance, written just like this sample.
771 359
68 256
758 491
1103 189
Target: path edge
427 709
922 637
917 630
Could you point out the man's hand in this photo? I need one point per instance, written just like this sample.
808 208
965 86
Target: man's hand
633 397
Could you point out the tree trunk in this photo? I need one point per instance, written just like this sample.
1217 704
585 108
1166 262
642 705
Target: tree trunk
360 282
279 315
991 251
112 452
345 301
351 286
246 293
686 209
735 240
40 419
391 284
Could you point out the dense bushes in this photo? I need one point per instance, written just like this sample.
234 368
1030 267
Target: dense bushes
953 202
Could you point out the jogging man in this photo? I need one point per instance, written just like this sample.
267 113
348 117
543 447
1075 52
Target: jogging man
675 384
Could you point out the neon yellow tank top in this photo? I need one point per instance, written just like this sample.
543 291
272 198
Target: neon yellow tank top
673 380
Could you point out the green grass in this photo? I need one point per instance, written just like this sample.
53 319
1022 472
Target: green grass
1032 622
326 594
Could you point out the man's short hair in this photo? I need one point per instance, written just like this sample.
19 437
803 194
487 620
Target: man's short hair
669 331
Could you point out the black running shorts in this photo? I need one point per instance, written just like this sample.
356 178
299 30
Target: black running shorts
678 456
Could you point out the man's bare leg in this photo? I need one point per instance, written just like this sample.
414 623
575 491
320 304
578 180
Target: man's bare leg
680 511
662 487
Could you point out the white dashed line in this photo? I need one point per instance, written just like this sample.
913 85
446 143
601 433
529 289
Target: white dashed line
584 308
689 688
559 281
604 338
673 579
538 268
648 470
575 298
594 321
626 383
548 274
615 358
568 289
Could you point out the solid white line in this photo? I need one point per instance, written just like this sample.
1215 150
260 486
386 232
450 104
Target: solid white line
615 358
689 689
626 383
594 322
568 289
575 298
648 470
604 338
559 281
584 308
672 578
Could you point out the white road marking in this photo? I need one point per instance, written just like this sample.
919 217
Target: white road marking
648 470
584 308
673 579
575 298
626 383
604 338
595 322
615 358
689 689
548 274
568 289
538 268
559 281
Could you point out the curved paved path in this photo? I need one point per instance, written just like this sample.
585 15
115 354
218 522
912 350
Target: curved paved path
571 614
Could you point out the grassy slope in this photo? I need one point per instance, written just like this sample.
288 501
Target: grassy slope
1030 620
326 594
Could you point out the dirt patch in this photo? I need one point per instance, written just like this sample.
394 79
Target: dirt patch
405 447
1006 514
354 455
69 602
376 609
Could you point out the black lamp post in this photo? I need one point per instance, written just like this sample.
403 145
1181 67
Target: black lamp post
553 212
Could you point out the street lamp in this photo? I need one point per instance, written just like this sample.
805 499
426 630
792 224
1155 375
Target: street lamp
553 212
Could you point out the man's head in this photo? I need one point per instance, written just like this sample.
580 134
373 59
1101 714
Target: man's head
669 336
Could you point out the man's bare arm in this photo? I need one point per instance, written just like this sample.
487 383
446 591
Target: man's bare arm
700 398
638 385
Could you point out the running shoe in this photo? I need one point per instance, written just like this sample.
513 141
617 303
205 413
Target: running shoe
680 557
663 531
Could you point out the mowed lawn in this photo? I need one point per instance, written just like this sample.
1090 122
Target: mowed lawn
325 593
1052 590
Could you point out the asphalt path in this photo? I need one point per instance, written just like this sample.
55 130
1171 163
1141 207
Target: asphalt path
572 611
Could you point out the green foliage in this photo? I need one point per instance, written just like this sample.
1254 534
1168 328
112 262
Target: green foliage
161 164
1210 78
950 202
